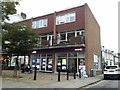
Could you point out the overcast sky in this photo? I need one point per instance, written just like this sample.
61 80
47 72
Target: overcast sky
105 12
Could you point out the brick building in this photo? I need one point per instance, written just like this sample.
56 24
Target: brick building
69 38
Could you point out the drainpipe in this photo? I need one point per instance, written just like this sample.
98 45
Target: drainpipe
54 30
54 42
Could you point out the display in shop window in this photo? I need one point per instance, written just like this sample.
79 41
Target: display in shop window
43 64
62 65
49 64
37 61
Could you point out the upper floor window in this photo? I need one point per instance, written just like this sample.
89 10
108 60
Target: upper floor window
63 36
39 23
66 18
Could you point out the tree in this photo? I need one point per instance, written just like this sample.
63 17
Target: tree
8 8
21 39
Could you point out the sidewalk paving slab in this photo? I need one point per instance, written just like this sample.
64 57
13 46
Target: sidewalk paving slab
49 81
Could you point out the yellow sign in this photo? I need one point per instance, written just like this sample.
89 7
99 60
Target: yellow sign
64 61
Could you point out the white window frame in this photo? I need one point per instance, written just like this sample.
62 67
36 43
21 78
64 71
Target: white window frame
65 18
40 23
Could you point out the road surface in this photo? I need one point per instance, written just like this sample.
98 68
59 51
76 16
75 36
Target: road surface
104 85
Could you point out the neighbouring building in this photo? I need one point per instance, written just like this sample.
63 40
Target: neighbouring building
68 39
109 57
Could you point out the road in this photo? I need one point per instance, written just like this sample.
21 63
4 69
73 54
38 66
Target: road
104 85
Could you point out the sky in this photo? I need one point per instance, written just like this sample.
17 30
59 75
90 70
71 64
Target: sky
105 12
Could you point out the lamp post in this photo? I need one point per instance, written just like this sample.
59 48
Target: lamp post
35 68
102 58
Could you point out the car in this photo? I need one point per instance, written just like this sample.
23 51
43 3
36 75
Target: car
112 72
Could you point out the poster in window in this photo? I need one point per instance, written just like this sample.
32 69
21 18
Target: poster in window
64 61
59 62
63 67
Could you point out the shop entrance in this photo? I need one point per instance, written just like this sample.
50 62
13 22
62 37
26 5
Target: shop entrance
72 65
71 61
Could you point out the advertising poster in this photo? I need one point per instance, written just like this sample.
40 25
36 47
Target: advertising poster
37 61
64 63
49 64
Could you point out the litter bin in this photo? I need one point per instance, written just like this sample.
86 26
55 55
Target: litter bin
93 72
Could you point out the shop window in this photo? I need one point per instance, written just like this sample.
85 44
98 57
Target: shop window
43 64
62 64
43 55
72 54
62 55
49 64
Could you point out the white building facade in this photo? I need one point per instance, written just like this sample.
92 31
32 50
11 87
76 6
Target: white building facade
109 57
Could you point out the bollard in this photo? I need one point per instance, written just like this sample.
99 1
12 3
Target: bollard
74 75
79 73
67 75
58 76
35 73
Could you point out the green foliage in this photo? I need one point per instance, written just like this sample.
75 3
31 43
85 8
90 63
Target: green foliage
8 8
21 38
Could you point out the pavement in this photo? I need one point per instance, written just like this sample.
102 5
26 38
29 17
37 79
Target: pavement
46 80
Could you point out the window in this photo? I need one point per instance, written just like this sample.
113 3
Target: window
70 34
39 23
44 38
70 17
66 18
60 19
34 24
63 36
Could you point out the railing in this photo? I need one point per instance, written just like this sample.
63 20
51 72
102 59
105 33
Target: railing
45 43
77 40
72 41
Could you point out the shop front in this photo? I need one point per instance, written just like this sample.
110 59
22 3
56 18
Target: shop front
63 58
70 61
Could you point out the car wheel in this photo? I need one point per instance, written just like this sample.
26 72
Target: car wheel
118 77
105 77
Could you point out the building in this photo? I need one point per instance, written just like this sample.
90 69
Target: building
109 57
69 38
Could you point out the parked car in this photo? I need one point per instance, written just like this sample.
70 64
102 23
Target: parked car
112 72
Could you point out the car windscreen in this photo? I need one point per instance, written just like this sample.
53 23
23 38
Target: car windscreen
111 67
